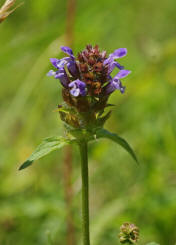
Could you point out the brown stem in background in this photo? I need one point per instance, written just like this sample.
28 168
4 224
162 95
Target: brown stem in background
71 7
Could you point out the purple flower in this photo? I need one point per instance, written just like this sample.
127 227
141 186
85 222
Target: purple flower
78 88
110 61
70 61
112 64
122 74
54 62
61 75
60 64
67 50
115 83
71 65
119 53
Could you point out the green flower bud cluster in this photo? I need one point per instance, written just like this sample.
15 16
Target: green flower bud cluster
129 233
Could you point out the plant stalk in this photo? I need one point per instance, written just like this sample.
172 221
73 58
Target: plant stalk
85 192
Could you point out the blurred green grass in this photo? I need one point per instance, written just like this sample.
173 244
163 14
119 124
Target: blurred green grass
32 201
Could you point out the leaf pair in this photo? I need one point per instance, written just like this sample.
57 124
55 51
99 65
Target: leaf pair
54 143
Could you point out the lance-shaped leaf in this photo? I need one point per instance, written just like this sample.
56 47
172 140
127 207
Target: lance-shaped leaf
102 133
48 145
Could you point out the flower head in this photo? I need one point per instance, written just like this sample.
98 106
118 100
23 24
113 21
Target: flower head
129 233
87 79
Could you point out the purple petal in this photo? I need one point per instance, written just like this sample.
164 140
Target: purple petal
72 68
75 92
77 86
122 89
114 85
112 64
118 86
62 76
62 62
109 88
119 66
119 53
54 61
108 61
51 73
72 84
67 50
81 84
122 73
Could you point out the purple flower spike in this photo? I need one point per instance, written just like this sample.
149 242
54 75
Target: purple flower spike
67 50
78 88
94 68
119 53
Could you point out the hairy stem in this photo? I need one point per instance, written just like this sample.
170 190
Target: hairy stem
85 192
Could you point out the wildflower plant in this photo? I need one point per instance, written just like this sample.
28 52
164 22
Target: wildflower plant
87 83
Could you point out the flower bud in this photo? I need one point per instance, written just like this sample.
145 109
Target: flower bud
129 233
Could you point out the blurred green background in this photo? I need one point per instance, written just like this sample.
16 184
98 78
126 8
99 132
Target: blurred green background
32 202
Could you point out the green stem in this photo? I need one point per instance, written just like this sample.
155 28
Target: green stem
85 192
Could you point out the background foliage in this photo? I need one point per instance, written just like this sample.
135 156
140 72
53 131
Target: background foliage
32 205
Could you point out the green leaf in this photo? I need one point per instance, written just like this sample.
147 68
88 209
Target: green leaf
48 145
102 133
